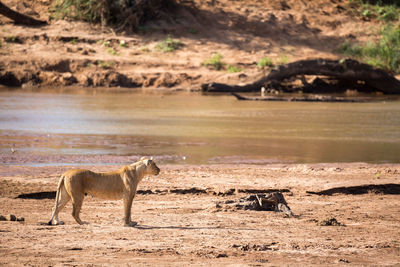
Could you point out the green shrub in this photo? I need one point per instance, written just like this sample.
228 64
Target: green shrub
385 11
388 13
169 45
265 62
233 69
112 51
384 53
350 49
215 61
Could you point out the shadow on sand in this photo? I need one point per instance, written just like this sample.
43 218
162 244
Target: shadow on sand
387 189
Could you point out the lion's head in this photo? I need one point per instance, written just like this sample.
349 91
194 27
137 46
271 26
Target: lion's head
151 167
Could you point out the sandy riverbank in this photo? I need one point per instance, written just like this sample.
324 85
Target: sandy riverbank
182 227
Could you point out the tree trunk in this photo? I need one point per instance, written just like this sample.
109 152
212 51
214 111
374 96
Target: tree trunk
18 17
350 72
308 98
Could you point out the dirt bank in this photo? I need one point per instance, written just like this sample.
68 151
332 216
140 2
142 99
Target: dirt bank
179 223
75 53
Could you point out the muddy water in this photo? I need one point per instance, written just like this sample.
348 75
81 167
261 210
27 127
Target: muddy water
199 129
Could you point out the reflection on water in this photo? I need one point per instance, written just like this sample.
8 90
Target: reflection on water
204 129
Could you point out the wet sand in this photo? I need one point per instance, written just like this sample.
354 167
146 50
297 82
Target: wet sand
179 224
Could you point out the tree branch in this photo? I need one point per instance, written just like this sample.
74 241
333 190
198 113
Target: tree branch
18 17
349 71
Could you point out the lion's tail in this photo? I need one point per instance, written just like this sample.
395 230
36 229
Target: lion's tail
60 183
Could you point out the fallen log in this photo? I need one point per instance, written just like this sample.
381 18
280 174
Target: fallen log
306 98
260 202
348 72
18 17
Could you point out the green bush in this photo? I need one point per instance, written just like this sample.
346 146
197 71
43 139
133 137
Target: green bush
112 51
233 69
385 53
265 62
169 45
385 11
215 61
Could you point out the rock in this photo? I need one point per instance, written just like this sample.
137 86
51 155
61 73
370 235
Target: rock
20 219
68 79
2 218
330 222
11 217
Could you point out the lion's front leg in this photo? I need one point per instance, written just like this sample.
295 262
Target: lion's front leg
128 199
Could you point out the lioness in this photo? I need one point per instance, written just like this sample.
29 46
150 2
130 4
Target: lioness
74 184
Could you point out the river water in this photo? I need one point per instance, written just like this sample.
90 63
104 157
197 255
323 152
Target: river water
196 129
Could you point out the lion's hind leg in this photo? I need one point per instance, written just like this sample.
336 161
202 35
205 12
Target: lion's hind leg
63 199
76 207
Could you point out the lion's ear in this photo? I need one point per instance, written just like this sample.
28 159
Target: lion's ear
142 158
151 158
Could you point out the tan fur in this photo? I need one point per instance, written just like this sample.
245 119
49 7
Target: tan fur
120 184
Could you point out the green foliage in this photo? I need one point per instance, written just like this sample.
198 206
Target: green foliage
104 43
388 13
385 11
215 61
385 53
122 43
265 62
350 49
169 45
87 10
233 69
112 51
